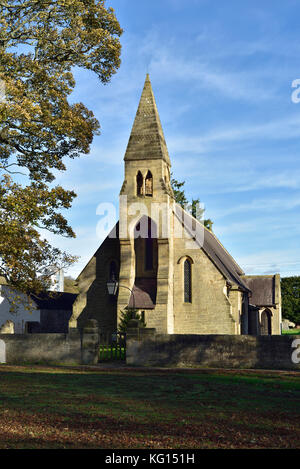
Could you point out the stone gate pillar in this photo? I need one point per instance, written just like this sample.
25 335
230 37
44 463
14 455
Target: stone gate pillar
90 342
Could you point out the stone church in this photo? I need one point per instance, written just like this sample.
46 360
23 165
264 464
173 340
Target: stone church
165 263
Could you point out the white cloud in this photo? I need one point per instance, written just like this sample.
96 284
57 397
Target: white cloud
206 70
208 66
270 262
270 227
278 129
201 75
260 205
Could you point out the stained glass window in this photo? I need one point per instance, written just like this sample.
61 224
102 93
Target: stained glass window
187 281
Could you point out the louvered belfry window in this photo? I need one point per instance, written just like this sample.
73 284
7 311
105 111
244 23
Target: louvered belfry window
140 184
187 281
149 184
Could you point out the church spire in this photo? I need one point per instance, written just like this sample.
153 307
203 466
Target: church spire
147 141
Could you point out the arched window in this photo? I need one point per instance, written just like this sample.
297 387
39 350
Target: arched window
187 281
149 184
139 184
145 245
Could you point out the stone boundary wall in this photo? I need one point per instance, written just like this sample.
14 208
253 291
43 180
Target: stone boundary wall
146 348
74 348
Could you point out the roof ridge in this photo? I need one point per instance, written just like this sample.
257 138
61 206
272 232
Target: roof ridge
258 276
241 271
230 274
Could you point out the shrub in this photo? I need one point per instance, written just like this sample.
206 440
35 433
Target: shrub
126 315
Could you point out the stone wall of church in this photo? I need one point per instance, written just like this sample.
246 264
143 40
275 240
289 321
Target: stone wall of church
236 297
154 207
157 318
275 318
210 311
159 170
277 310
93 301
161 318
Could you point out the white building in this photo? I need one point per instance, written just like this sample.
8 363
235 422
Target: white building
15 321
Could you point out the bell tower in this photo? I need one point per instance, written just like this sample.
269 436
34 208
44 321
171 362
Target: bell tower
146 221
147 157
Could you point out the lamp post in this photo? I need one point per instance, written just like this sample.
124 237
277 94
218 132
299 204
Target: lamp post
112 287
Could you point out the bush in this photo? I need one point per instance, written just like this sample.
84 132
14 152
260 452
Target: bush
127 315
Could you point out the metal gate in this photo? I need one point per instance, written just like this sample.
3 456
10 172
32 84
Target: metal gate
112 347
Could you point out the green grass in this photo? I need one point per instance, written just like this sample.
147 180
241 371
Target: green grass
291 332
43 407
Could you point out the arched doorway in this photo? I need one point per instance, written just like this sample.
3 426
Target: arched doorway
266 322
146 248
146 264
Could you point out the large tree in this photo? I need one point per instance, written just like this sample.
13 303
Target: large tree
194 207
290 291
41 41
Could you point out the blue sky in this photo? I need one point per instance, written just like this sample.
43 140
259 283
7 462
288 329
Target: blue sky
222 76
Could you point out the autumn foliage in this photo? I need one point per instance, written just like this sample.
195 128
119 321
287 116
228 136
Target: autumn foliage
40 44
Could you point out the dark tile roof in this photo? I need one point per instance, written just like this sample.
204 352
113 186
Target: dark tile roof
262 288
214 249
54 300
144 293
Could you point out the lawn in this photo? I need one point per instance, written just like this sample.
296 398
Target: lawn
43 407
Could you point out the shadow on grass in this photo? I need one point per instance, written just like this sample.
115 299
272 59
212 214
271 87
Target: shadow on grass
133 408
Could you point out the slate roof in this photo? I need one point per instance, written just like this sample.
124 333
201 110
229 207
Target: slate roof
214 249
54 300
262 288
144 293
144 290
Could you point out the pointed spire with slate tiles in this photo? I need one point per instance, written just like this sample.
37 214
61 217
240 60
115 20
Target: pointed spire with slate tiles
147 141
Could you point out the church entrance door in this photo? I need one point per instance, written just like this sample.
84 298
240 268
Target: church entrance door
266 328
